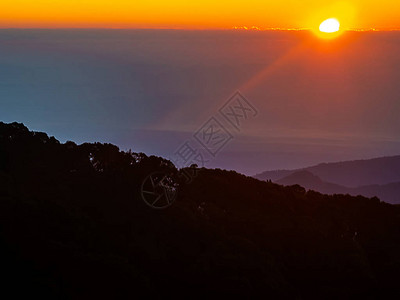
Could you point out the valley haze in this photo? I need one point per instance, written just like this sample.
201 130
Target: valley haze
150 90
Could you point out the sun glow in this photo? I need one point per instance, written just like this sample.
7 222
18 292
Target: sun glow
198 14
331 21
329 26
328 29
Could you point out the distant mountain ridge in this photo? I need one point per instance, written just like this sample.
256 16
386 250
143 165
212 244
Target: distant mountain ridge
388 192
313 182
378 177
383 170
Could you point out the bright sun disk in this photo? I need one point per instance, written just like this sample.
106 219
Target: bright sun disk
329 26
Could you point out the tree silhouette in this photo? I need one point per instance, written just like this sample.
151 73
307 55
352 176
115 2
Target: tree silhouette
73 225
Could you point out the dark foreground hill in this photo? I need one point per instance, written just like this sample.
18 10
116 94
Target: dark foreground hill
73 225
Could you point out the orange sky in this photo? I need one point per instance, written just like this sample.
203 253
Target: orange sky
286 14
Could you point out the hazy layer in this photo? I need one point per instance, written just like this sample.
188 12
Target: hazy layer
149 90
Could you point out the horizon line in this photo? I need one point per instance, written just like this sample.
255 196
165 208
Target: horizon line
234 28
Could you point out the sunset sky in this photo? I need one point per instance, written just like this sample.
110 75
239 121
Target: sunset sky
150 90
320 96
210 14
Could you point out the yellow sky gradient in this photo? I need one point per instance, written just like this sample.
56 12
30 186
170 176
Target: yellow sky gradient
206 14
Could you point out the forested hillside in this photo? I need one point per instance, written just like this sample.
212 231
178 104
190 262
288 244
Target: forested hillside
73 225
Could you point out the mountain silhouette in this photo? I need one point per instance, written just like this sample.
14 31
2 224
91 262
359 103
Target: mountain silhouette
379 177
312 182
74 224
355 173
387 192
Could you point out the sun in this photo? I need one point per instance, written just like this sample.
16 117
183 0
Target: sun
331 20
328 29
331 25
